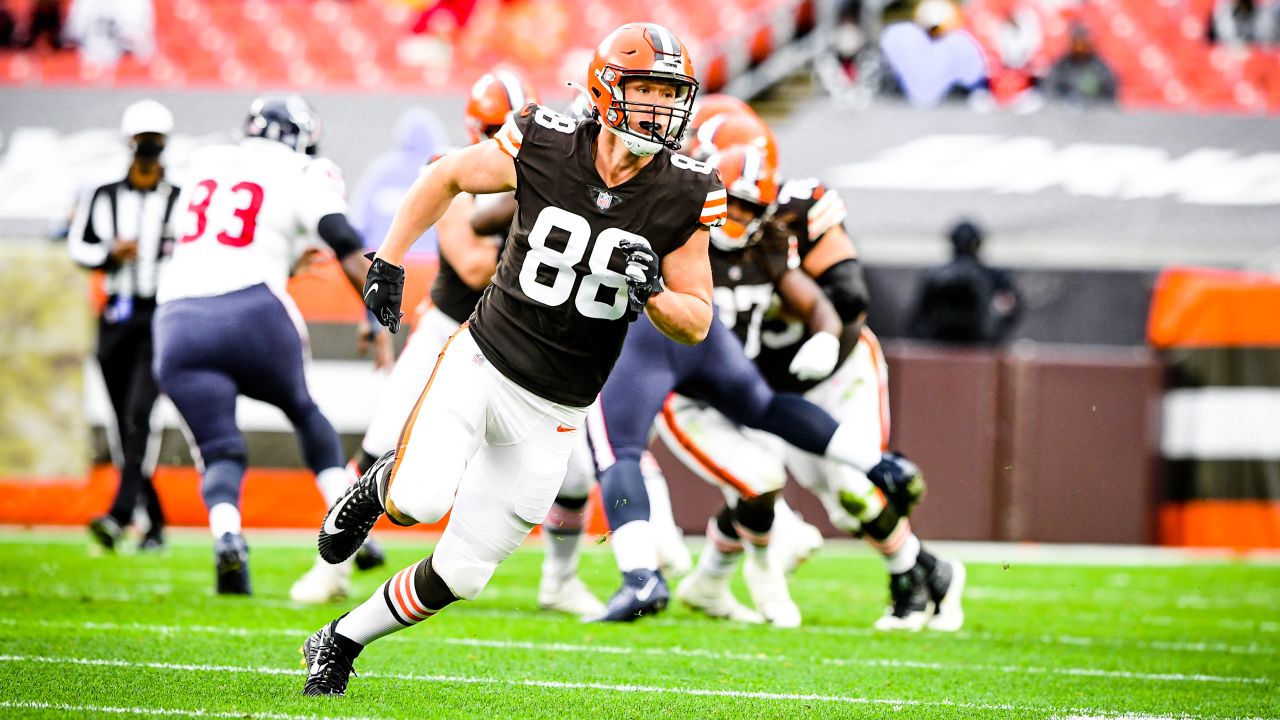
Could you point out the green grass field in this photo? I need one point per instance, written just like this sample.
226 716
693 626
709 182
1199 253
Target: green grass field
85 636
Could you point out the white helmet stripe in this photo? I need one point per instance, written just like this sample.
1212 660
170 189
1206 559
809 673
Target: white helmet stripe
511 83
665 38
752 165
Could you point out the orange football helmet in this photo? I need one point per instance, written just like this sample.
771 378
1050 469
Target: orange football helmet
642 51
729 129
717 104
751 179
495 96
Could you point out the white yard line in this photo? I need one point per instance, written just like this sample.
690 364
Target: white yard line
595 649
604 687
159 712
69 593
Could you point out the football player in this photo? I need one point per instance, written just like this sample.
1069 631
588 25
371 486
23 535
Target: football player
225 326
810 218
718 372
611 224
471 234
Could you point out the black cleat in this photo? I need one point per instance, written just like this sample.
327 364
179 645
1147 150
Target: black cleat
946 588
643 592
328 664
152 542
350 520
231 564
370 555
909 602
106 531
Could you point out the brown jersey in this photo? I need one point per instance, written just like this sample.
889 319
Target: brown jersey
554 318
451 294
806 211
744 283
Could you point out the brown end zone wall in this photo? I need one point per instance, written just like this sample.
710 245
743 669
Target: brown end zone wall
1044 443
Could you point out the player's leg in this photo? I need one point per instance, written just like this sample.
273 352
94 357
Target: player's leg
618 426
400 391
920 583
186 368
746 466
275 374
673 554
416 482
114 359
143 392
507 491
749 473
560 587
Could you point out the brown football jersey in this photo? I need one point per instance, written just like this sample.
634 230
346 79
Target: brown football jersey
806 211
744 283
453 296
554 318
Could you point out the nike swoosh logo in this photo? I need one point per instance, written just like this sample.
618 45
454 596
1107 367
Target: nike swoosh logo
331 520
646 592
372 289
564 428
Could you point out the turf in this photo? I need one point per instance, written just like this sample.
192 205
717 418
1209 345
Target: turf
89 636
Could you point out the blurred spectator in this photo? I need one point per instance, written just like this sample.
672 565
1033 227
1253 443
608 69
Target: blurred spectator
965 301
123 228
106 29
419 136
1081 78
7 25
45 21
1019 38
1245 22
934 54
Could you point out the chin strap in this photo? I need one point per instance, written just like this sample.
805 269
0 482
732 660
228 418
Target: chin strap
638 146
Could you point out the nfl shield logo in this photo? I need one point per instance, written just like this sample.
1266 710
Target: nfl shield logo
604 200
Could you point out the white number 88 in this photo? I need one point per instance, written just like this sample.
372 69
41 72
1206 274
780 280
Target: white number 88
563 261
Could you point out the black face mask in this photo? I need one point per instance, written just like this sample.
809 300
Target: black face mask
148 149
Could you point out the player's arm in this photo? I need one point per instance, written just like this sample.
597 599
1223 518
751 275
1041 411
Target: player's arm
807 301
833 262
338 233
477 169
683 310
474 257
496 215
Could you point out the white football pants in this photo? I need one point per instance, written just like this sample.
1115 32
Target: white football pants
490 450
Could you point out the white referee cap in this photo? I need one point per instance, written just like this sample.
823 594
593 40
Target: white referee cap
146 116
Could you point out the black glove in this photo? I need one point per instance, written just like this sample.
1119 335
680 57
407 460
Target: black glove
383 290
644 274
900 480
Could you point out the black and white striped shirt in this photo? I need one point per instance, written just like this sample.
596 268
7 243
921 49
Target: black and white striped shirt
118 211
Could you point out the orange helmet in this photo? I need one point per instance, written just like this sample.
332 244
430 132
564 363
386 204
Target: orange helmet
751 178
729 129
642 51
717 104
494 96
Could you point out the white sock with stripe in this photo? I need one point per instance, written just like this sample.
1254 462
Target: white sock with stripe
900 549
563 533
721 553
393 606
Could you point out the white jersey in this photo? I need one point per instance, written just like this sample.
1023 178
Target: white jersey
245 215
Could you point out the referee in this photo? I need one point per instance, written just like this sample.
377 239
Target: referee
123 229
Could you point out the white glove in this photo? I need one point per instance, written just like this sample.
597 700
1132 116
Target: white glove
817 357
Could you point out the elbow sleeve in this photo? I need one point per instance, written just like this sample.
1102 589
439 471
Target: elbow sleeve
846 288
336 230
